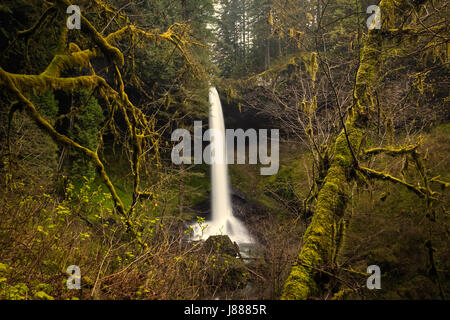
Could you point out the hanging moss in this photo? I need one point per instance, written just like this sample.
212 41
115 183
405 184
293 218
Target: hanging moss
313 66
313 106
270 18
419 80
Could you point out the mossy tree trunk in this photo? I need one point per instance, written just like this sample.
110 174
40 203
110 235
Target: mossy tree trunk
325 233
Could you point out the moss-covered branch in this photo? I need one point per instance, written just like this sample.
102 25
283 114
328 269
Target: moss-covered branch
391 151
22 85
31 110
320 239
111 53
443 184
42 83
62 62
170 35
373 174
27 33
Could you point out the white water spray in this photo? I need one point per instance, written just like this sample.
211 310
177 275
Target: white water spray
223 222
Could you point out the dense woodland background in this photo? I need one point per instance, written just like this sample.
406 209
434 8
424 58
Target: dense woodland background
86 176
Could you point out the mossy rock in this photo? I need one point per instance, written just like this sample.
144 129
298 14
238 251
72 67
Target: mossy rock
224 268
221 244
226 272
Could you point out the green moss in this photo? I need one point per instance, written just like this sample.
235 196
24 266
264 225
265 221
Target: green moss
368 68
318 238
65 62
42 83
313 66
443 129
41 295
299 286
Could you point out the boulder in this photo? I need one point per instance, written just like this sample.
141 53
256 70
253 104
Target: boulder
221 244
224 268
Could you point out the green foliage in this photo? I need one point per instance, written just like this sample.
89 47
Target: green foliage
86 127
41 295
47 105
11 292
287 181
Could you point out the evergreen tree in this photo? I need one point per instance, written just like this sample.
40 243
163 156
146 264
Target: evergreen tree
85 127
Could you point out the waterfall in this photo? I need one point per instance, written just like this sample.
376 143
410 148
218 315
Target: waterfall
222 220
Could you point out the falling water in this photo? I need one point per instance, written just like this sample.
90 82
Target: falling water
223 222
